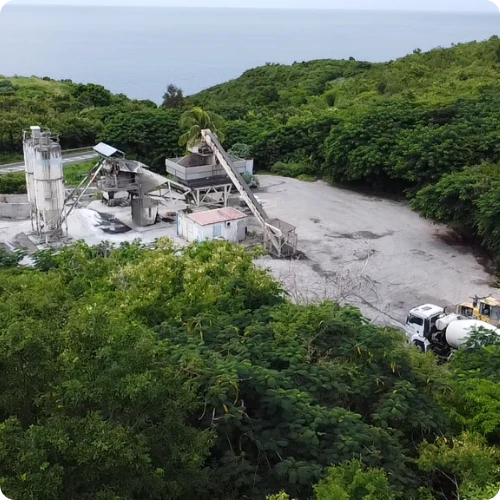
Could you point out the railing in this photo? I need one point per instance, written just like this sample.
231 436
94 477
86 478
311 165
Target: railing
88 149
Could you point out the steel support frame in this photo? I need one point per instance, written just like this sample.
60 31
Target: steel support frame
211 195
278 243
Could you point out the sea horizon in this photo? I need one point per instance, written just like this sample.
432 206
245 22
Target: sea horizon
138 50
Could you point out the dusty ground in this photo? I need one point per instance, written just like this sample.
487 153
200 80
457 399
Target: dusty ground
374 253
91 225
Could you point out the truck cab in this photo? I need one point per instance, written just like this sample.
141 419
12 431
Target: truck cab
486 309
421 324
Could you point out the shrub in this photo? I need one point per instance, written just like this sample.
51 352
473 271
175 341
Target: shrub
251 180
12 184
241 150
291 169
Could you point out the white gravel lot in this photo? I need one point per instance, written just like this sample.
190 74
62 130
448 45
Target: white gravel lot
371 252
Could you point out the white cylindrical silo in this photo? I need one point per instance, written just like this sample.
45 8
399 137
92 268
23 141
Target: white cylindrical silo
29 143
49 184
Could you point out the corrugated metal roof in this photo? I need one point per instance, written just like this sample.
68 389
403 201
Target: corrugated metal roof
107 150
217 216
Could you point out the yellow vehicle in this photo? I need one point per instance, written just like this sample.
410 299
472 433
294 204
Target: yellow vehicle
486 309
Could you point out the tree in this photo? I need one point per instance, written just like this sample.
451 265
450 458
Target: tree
351 481
194 121
147 135
173 98
461 465
90 406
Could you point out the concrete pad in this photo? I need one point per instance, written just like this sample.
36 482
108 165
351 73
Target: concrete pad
371 252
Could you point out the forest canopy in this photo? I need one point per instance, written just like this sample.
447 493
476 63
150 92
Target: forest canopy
154 372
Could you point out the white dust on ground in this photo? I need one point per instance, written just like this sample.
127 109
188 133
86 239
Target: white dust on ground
88 224
370 252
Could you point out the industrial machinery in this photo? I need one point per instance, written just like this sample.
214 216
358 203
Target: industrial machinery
429 328
200 179
121 181
45 183
485 309
280 238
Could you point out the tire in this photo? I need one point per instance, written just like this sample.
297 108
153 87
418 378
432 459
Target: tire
419 345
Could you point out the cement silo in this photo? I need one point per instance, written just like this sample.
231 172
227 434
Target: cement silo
45 182
29 161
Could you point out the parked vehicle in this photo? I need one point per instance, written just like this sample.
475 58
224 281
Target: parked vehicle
486 309
429 328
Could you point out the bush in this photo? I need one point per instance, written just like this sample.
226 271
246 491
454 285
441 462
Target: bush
7 87
251 180
290 169
306 178
12 184
241 150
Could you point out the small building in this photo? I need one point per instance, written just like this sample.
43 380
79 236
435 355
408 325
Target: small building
224 223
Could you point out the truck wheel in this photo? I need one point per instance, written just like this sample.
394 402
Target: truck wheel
419 345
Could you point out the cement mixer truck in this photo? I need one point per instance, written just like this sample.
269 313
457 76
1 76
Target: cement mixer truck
429 328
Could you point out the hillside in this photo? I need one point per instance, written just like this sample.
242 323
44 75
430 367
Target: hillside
84 115
399 126
436 77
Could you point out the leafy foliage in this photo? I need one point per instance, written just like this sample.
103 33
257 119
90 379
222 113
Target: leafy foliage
240 150
140 372
173 97
290 169
83 115
13 183
350 482
194 121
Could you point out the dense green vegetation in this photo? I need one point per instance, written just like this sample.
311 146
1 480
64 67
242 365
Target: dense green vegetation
399 126
83 115
74 174
157 373
14 183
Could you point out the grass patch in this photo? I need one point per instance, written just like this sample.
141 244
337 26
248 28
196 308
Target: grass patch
38 84
75 174
306 178
6 158
14 183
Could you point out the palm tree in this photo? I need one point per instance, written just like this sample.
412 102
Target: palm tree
194 121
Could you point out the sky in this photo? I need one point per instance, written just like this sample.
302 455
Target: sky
442 5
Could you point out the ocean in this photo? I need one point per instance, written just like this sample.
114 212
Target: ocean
138 51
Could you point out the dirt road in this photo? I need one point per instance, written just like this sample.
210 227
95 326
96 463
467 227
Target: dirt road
373 253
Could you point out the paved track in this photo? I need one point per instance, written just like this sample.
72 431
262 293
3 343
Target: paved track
71 159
